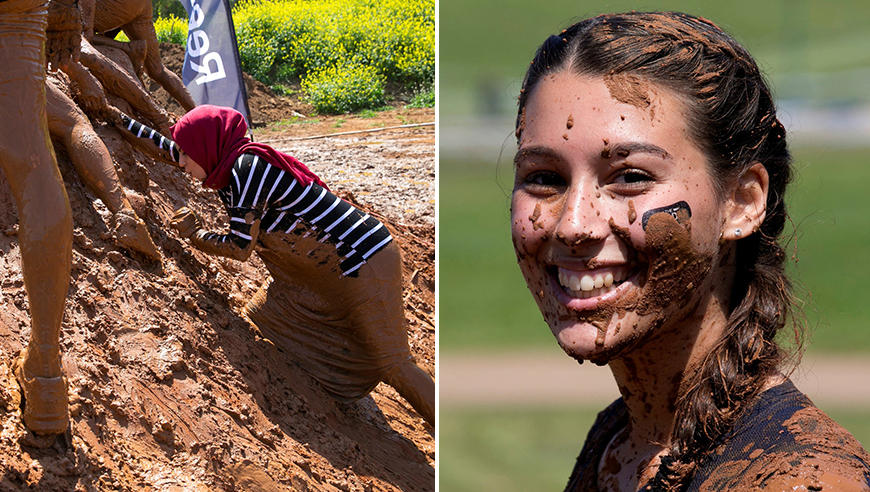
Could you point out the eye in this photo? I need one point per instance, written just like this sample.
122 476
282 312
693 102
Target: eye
545 178
631 180
542 182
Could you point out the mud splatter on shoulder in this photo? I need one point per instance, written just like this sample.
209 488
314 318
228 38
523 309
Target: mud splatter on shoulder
823 456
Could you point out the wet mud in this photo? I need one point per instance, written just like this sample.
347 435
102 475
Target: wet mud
170 386
672 264
348 333
629 89
824 456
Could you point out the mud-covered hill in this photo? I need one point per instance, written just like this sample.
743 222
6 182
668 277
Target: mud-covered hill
171 388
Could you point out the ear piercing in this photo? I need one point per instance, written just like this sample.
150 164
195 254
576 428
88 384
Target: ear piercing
737 232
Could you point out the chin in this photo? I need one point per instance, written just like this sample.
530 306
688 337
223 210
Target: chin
584 341
599 342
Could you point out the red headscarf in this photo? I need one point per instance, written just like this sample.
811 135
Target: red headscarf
215 136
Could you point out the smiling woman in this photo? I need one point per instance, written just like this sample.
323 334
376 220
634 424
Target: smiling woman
646 208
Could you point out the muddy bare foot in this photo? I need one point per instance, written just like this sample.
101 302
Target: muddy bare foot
44 401
131 233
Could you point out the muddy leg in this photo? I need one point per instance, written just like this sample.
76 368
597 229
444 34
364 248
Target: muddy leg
87 9
118 81
136 49
94 165
382 321
416 387
45 233
143 28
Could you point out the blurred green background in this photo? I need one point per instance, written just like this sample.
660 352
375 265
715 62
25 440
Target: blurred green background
816 56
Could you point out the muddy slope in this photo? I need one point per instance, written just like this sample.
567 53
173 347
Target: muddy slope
171 388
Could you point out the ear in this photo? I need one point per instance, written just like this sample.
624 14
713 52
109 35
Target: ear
747 203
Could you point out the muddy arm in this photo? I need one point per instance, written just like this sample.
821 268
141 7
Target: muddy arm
143 28
224 245
237 245
141 131
119 81
88 92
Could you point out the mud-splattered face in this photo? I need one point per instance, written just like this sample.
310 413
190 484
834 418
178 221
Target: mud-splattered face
615 218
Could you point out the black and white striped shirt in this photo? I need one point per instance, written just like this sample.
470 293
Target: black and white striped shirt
259 190
159 140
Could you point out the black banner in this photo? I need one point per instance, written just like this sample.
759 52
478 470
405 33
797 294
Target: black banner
211 71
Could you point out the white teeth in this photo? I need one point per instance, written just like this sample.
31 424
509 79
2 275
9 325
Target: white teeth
585 285
568 280
574 282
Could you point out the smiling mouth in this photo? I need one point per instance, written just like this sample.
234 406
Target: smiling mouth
592 283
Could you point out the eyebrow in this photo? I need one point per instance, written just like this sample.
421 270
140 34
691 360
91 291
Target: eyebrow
537 150
621 149
625 148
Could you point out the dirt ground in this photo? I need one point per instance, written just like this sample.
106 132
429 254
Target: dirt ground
171 388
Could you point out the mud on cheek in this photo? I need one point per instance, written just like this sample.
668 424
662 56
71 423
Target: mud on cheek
676 268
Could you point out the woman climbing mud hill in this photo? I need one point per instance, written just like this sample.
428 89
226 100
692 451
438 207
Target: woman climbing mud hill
335 299
648 199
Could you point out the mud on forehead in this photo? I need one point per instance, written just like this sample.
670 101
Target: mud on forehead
629 89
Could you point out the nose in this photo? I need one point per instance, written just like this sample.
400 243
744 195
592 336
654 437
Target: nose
582 219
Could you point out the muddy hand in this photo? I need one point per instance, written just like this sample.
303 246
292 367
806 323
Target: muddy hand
63 32
131 233
92 97
113 115
185 222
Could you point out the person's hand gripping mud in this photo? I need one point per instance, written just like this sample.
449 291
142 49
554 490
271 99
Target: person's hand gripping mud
185 222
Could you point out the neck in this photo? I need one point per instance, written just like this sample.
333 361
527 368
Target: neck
652 377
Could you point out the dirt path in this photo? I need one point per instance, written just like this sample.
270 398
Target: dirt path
551 378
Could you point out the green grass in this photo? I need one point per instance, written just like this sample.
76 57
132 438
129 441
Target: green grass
855 421
515 449
827 204
534 449
483 299
484 302
423 99
343 52
296 120
390 40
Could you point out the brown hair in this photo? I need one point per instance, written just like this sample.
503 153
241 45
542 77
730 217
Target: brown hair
733 120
